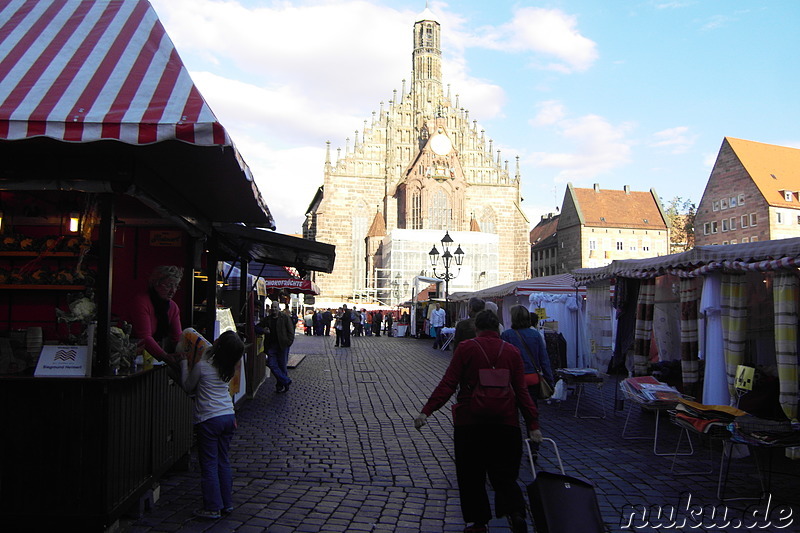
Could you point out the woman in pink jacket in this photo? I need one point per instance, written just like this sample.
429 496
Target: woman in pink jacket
155 317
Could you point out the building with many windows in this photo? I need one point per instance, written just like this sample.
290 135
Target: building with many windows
751 194
544 247
419 168
598 225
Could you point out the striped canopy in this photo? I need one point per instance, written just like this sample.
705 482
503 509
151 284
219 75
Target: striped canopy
82 71
89 70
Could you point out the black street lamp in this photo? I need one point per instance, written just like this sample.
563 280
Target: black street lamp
447 259
396 289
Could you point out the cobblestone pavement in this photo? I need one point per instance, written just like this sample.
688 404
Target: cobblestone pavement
339 452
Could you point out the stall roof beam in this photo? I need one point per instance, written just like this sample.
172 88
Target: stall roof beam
275 248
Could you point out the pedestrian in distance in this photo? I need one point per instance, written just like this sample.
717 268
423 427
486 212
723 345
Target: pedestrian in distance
214 420
308 322
345 321
465 329
486 446
363 327
438 318
278 338
327 319
318 323
377 323
355 319
389 324
337 327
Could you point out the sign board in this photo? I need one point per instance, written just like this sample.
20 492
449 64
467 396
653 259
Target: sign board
64 361
169 238
225 319
744 377
541 312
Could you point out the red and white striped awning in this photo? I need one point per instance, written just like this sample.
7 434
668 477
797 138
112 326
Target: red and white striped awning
85 72
80 71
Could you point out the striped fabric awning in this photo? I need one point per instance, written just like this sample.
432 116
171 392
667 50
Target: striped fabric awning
762 256
82 71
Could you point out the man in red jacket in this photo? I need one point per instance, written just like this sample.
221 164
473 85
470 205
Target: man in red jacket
481 447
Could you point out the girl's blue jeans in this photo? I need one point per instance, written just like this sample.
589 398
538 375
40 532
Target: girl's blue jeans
213 443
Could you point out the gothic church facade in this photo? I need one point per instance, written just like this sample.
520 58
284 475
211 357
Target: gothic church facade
418 169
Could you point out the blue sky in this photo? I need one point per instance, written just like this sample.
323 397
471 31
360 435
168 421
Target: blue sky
637 93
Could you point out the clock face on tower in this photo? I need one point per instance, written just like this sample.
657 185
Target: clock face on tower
440 144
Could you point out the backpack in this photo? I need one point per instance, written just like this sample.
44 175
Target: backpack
493 397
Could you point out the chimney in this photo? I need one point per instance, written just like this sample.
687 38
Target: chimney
627 189
596 187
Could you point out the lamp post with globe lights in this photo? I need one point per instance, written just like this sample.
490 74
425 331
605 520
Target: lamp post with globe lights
447 260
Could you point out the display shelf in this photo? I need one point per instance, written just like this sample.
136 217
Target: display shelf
43 287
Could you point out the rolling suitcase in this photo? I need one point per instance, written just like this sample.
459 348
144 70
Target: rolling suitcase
562 503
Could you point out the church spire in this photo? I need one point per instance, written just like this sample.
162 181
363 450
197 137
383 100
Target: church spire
426 84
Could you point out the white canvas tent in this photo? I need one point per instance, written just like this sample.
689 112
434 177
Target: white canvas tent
562 300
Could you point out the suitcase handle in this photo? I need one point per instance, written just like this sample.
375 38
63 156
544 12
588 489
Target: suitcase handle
530 455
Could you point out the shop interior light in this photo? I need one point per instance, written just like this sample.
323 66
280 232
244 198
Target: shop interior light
74 222
1 220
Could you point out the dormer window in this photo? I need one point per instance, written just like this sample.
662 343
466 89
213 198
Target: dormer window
788 196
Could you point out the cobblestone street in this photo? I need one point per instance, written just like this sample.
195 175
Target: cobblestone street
339 452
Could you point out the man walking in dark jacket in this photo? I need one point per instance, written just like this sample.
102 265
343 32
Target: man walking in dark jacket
327 318
278 337
346 321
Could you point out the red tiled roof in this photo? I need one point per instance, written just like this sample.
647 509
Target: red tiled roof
774 169
546 228
619 209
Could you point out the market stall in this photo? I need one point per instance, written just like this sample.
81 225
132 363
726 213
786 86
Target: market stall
112 164
738 306
558 298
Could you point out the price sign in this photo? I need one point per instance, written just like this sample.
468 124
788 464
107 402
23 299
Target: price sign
744 377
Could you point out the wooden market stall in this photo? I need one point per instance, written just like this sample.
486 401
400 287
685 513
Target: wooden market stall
112 162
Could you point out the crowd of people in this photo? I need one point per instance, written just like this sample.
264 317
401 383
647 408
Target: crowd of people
363 323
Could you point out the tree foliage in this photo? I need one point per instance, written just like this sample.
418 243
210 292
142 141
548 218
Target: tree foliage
680 214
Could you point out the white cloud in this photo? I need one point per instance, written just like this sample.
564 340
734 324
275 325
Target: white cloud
285 77
548 113
599 148
717 21
550 32
678 140
672 4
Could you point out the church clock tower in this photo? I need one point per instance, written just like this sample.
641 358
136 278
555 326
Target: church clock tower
426 85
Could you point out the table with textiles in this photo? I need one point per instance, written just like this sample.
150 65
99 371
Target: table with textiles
579 378
651 395
733 426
